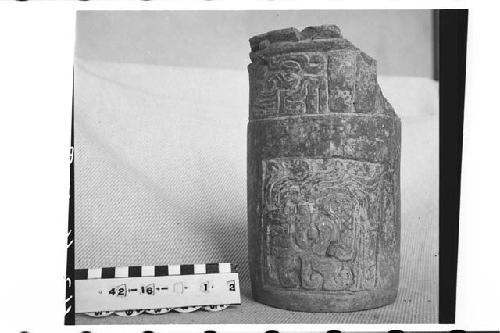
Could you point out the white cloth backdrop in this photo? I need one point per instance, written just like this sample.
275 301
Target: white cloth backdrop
160 178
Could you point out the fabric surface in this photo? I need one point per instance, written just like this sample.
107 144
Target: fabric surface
160 178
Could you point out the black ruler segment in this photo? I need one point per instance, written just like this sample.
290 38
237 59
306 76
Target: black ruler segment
161 270
81 274
211 268
135 271
108 272
187 269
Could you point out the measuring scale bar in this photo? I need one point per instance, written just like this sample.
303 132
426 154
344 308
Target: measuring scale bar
153 292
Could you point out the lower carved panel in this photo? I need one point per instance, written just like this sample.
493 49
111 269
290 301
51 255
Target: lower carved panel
324 223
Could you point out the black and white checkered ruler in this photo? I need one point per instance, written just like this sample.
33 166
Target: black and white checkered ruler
156 289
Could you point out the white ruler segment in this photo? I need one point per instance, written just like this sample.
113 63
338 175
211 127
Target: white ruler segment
98 292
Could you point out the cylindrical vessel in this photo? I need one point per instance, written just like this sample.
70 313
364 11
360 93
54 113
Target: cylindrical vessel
323 175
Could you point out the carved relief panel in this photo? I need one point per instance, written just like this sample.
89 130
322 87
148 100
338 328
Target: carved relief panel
322 220
290 84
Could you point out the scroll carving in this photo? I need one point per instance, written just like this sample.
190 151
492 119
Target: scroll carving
290 84
322 219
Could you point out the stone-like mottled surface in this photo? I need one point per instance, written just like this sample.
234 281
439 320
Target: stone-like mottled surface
323 175
291 74
321 222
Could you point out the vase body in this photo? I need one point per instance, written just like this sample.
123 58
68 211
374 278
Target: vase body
323 175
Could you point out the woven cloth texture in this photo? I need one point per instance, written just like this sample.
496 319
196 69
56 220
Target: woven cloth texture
160 178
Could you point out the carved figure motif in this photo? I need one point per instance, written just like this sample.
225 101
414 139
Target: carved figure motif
291 84
322 219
